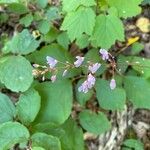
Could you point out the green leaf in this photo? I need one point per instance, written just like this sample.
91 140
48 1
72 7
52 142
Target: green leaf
8 1
7 109
134 144
136 48
56 101
18 8
22 43
12 133
142 65
83 41
74 4
26 20
42 3
16 73
44 26
70 135
82 98
63 40
138 91
109 99
53 13
126 8
46 141
107 30
94 123
38 148
28 106
78 22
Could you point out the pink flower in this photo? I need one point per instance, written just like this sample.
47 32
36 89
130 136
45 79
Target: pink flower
53 78
104 53
51 62
112 84
94 67
65 72
87 84
84 87
79 61
90 81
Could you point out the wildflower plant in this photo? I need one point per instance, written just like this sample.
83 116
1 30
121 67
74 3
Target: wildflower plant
59 58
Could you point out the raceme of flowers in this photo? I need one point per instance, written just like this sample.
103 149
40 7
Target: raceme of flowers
92 69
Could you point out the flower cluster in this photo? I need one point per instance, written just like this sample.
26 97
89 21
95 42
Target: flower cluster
92 69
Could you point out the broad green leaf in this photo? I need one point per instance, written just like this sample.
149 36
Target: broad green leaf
46 141
7 109
138 91
133 144
81 97
26 20
44 26
17 8
94 123
72 5
56 101
83 41
136 48
107 30
22 43
63 40
78 22
28 106
16 73
126 8
109 99
141 65
12 133
70 135
38 148
8 1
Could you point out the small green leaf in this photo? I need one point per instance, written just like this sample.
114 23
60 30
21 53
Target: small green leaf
126 8
107 30
109 99
7 109
22 43
133 144
16 73
12 133
138 91
46 141
44 26
136 48
56 101
63 40
42 3
28 106
72 5
26 20
78 22
94 123
17 8
38 148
